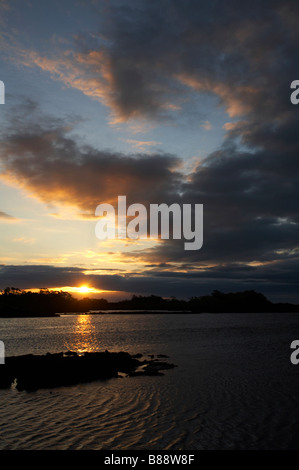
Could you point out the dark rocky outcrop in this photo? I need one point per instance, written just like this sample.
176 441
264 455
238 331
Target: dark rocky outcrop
31 372
152 368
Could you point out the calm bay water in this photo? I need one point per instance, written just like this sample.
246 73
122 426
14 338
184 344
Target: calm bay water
234 387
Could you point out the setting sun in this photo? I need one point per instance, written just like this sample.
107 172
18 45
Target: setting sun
84 289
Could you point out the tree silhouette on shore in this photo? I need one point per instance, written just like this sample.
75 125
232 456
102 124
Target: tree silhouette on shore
15 302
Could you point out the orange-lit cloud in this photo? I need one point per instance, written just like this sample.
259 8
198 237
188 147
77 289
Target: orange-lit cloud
207 126
25 240
238 100
142 145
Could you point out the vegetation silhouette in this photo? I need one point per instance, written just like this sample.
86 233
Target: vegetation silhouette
15 302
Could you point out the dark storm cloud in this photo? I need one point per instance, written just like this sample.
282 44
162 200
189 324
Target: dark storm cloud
148 53
41 276
39 155
278 282
150 57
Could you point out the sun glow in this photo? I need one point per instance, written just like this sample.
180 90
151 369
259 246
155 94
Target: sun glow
84 289
78 291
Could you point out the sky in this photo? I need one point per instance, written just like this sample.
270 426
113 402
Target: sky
165 101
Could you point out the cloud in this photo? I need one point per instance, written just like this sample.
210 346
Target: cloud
141 63
148 61
39 155
39 276
141 145
25 240
4 5
207 126
249 196
272 280
4 217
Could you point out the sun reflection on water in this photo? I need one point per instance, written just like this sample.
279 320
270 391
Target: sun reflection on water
84 338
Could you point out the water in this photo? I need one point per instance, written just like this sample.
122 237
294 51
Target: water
234 387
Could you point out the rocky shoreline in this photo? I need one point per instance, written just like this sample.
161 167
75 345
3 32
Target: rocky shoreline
32 372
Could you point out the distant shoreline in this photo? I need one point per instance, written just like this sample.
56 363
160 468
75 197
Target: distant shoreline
161 312
15 303
145 312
